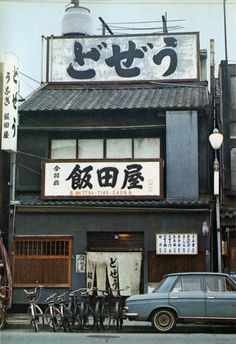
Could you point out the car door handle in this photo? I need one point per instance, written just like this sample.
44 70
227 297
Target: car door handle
174 297
211 297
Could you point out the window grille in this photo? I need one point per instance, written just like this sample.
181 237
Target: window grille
46 260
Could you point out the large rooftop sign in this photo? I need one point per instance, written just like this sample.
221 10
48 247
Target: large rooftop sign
124 58
102 179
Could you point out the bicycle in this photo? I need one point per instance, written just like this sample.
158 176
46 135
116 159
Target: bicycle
52 314
74 310
35 313
3 311
119 308
111 308
88 315
66 315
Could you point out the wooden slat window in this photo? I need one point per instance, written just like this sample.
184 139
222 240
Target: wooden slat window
46 260
159 265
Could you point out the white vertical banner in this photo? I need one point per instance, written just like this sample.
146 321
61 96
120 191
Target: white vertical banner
129 272
9 102
101 268
90 270
121 269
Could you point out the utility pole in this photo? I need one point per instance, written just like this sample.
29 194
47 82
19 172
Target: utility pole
164 23
225 32
104 27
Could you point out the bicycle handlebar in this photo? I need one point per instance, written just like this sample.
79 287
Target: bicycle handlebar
32 293
109 290
62 296
87 291
50 297
73 292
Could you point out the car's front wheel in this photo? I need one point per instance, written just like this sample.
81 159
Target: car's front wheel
163 320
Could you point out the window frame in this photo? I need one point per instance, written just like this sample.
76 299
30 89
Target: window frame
159 155
182 280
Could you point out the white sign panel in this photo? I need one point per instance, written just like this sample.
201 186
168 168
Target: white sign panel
177 243
9 103
102 179
80 263
124 58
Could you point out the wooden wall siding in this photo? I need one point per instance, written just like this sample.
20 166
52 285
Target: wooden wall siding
232 257
159 265
113 241
47 261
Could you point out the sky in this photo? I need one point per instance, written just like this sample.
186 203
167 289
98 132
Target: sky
22 24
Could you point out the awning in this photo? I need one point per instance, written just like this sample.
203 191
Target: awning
64 98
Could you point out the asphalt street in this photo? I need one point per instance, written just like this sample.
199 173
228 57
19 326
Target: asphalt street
24 336
18 331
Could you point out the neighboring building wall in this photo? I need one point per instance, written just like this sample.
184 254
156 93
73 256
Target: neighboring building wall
227 80
182 155
4 175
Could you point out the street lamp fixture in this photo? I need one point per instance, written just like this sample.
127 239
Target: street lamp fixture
216 139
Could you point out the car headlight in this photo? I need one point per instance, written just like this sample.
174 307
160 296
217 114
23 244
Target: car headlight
126 308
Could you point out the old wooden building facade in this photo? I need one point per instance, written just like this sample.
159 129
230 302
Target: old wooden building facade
112 165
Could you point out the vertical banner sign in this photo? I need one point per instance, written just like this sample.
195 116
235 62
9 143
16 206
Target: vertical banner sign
9 103
81 263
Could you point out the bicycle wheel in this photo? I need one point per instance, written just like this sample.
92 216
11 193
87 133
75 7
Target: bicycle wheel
75 321
3 317
33 322
66 320
105 317
53 321
118 316
87 317
97 310
39 318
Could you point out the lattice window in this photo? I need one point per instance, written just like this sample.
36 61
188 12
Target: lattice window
46 260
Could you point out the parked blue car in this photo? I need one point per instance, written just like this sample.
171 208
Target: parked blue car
186 297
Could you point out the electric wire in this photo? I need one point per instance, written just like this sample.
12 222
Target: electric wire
142 28
28 168
26 83
33 155
29 77
145 22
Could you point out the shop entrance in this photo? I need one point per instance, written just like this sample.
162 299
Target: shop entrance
115 260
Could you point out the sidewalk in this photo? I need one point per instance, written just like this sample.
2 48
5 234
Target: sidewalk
17 321
21 321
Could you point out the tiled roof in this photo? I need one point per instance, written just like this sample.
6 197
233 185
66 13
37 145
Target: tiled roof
24 200
64 98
